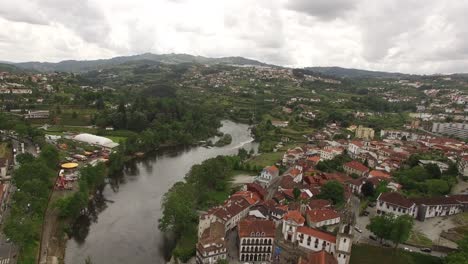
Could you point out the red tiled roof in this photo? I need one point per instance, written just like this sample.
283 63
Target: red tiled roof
250 197
319 203
320 257
257 188
356 165
317 233
294 172
322 214
378 173
396 199
248 226
295 216
357 182
462 198
436 200
272 169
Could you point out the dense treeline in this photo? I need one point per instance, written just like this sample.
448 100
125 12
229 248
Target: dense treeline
163 120
91 177
181 203
428 180
34 180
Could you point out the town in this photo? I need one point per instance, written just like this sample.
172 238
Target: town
322 198
331 168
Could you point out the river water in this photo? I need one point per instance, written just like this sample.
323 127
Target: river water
123 228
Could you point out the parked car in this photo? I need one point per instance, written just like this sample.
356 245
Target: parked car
365 213
371 204
386 244
408 249
428 250
358 229
372 237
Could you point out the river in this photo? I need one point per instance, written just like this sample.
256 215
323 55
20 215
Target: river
124 227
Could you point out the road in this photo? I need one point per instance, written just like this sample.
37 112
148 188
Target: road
8 250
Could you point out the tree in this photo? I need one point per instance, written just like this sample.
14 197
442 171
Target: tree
437 187
461 255
381 226
401 229
177 206
243 154
24 158
296 194
333 191
50 156
368 189
433 170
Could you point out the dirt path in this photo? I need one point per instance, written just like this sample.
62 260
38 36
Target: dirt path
53 240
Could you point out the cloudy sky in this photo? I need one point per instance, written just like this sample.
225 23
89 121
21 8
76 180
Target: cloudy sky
415 36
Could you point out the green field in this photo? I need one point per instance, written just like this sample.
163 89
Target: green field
367 254
266 159
419 239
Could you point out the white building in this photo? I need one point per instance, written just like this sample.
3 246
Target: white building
459 130
267 174
394 203
437 206
95 140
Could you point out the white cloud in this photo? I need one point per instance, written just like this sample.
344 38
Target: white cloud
394 35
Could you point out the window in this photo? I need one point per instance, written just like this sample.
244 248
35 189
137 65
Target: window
344 240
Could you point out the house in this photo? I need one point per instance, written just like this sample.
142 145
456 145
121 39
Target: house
318 204
355 167
364 132
463 166
437 206
322 217
315 240
230 213
39 114
256 239
211 246
319 257
330 153
463 200
257 189
295 173
292 155
291 221
267 175
356 184
397 204
355 148
277 123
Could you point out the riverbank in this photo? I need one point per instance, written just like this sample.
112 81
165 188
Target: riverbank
127 213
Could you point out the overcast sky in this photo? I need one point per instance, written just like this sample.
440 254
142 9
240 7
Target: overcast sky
415 36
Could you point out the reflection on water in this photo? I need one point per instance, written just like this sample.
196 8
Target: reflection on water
120 226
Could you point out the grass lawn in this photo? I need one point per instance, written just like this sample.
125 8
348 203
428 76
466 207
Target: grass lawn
367 254
116 139
58 129
266 159
419 239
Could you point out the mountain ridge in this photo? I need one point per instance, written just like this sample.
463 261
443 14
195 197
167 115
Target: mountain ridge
80 66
